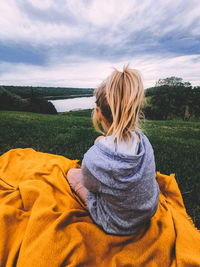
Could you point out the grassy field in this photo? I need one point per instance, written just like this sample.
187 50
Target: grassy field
176 144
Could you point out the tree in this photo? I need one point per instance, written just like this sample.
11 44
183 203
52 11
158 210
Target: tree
195 101
173 81
12 101
172 98
39 105
187 114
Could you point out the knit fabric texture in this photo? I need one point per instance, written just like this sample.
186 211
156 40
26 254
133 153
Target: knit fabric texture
122 192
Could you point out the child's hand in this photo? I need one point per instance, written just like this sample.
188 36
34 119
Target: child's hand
74 179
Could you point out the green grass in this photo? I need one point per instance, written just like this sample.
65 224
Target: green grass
176 144
66 135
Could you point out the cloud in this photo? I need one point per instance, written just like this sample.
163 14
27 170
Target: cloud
75 42
18 27
44 4
90 73
104 22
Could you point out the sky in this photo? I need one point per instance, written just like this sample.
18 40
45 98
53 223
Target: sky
77 43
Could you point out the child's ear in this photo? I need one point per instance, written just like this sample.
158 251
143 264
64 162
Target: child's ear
98 114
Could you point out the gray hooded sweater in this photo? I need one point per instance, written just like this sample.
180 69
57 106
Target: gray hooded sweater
122 192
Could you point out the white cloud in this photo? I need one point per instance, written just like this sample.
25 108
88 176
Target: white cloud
17 26
44 4
91 73
105 21
102 13
112 23
183 66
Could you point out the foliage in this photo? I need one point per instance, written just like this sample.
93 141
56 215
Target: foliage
176 144
34 99
49 93
11 101
172 99
172 81
39 105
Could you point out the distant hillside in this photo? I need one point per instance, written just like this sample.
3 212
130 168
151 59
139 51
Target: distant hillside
11 101
49 93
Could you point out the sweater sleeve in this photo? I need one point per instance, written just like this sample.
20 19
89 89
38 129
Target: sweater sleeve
88 180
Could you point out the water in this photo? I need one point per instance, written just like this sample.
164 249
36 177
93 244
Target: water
78 103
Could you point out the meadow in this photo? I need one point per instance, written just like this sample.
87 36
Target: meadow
176 144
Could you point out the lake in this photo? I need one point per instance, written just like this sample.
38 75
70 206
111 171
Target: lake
78 103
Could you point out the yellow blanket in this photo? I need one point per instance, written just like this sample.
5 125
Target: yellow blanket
43 223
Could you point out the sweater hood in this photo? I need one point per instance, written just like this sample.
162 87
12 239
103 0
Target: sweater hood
120 170
122 190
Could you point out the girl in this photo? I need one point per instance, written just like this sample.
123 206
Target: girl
117 177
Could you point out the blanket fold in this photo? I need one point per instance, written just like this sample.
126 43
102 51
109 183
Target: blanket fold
43 223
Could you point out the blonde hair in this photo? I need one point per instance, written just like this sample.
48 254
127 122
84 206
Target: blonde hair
120 98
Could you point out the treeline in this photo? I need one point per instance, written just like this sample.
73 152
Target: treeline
12 101
34 99
49 93
172 98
